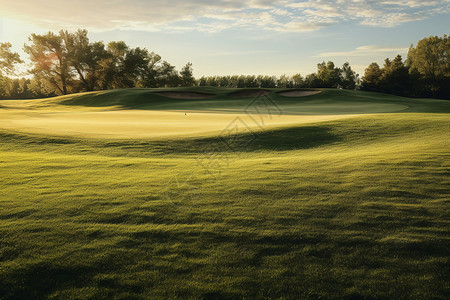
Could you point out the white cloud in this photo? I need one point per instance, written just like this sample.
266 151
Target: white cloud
369 50
392 20
299 27
370 12
242 53
412 4
217 15
281 12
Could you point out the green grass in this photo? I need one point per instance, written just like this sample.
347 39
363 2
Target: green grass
330 101
350 208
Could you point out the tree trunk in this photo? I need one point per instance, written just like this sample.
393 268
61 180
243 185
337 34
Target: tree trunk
64 84
88 88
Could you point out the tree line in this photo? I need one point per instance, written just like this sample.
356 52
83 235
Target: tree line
424 73
67 62
327 76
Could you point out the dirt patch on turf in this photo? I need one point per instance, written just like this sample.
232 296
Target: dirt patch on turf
185 95
298 93
249 93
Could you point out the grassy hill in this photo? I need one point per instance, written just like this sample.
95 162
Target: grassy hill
131 194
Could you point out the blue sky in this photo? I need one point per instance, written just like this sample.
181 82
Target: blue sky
234 37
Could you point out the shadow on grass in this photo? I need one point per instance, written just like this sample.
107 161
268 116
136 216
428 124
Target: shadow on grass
122 98
286 139
132 99
39 281
274 140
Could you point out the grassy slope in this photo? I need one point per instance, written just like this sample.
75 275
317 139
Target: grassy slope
323 102
352 207
140 113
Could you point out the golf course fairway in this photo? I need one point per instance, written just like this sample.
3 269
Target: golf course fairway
219 193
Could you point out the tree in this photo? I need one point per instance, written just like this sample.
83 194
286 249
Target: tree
348 77
152 70
113 69
267 81
395 78
240 81
77 45
187 77
430 60
372 77
135 66
49 57
297 80
222 81
84 57
285 82
431 57
38 89
202 81
168 75
311 81
8 59
251 81
328 75
8 62
95 55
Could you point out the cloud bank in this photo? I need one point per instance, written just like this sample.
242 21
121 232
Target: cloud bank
370 50
217 15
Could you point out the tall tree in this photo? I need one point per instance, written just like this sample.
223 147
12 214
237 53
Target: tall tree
285 82
50 60
431 60
297 80
168 75
187 77
84 57
222 81
8 62
135 66
312 81
328 75
8 59
251 81
348 77
77 45
396 78
372 77
152 71
113 68
92 66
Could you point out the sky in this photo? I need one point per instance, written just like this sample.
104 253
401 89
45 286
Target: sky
225 37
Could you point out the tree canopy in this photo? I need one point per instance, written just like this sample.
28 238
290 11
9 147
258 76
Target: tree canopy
68 62
8 59
425 73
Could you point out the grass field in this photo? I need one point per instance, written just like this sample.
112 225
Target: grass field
128 194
